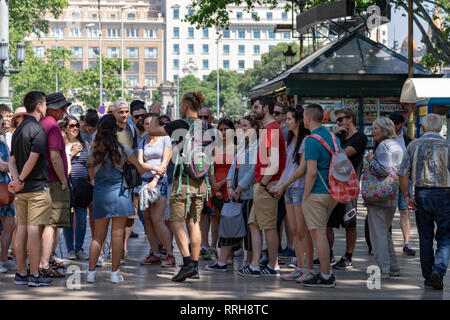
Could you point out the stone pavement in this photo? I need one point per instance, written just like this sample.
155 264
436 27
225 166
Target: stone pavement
153 282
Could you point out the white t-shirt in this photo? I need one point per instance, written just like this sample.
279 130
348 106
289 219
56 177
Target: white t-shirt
401 141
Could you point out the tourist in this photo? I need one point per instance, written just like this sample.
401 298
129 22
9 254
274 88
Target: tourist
5 112
426 163
387 157
111 200
29 172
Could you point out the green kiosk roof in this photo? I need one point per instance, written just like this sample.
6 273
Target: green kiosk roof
354 66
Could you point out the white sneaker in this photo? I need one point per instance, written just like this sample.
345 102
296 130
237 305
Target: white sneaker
91 276
100 261
2 268
293 263
116 277
82 255
122 261
9 265
71 255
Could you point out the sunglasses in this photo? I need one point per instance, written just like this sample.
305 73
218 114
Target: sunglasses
204 117
3 125
277 113
340 119
71 126
138 116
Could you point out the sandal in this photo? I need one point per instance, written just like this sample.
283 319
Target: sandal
55 265
52 273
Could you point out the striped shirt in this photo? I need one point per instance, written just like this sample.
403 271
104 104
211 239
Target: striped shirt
427 162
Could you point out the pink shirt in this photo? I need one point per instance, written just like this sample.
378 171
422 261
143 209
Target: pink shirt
55 141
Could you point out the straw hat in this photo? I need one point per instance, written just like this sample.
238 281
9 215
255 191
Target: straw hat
19 112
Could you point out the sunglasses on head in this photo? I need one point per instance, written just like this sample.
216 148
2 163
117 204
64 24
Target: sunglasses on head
341 118
73 125
136 117
203 117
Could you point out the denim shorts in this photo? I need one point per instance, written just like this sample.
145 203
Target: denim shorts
162 184
294 196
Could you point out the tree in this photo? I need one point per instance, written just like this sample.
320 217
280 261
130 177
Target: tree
208 13
89 82
40 75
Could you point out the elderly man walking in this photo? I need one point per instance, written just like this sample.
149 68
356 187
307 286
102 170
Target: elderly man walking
427 163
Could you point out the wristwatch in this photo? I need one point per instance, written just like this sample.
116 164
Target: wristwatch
20 180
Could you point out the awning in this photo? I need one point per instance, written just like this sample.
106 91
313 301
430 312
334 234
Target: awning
415 90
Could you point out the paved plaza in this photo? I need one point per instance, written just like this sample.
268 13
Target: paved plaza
153 282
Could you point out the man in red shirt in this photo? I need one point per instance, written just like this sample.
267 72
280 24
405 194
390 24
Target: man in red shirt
59 190
270 164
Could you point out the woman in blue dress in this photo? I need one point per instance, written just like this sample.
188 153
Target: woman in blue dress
6 213
111 201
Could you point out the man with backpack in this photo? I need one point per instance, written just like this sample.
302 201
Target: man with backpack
322 151
193 160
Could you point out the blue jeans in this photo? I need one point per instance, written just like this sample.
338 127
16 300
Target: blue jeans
80 230
433 207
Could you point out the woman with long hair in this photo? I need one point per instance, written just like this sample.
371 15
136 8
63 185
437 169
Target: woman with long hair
155 153
240 180
111 200
293 183
223 157
78 180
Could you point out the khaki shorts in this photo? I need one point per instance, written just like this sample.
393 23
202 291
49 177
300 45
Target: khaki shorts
317 209
265 208
178 202
60 216
33 208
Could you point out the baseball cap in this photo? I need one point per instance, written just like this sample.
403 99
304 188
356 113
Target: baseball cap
121 104
342 167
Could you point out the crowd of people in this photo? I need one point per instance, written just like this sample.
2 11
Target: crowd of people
231 186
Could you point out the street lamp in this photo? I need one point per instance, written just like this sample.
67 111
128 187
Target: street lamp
217 76
178 85
100 49
89 25
244 105
56 76
289 57
121 50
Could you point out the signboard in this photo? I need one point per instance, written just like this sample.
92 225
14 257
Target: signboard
423 111
101 109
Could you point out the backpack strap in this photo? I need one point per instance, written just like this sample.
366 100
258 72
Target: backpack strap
323 142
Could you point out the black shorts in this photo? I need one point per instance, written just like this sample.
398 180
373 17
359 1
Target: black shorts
344 215
207 210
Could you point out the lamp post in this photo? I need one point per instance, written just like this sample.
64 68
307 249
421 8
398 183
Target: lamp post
89 25
244 105
5 69
56 75
289 57
100 49
218 81
121 49
178 85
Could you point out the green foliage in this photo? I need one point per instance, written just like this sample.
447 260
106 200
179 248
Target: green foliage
89 82
40 75
156 96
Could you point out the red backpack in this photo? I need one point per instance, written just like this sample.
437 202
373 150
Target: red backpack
341 190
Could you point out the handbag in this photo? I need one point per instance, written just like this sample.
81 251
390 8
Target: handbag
232 224
81 193
377 188
6 197
131 176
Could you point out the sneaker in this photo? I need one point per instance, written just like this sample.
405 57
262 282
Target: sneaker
2 268
428 283
294 274
109 256
100 261
436 281
39 281
151 259
82 255
18 279
185 272
286 253
305 276
210 254
168 262
395 273
268 271
343 264
319 282
91 276
203 252
248 271
216 267
293 263
385 276
409 250
195 276
239 253
116 277
122 261
316 262
71 255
